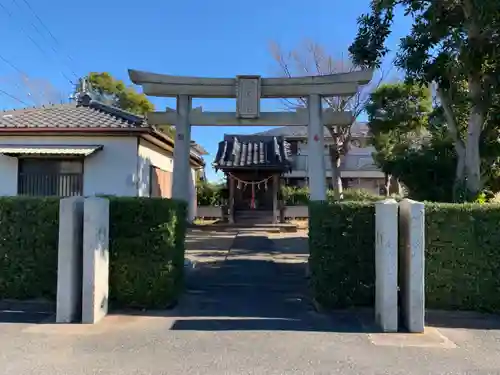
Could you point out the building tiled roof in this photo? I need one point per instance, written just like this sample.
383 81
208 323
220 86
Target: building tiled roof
85 113
239 151
358 129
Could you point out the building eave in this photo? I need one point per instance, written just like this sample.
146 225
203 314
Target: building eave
162 140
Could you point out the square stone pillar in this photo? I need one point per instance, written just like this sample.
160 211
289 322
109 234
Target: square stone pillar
70 260
386 265
182 145
412 264
95 259
316 168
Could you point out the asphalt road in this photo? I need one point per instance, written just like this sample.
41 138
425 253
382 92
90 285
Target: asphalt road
246 311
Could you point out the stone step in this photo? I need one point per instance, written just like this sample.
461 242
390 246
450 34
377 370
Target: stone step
254 216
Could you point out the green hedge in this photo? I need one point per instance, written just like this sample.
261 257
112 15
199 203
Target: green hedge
296 196
463 256
342 253
146 251
29 230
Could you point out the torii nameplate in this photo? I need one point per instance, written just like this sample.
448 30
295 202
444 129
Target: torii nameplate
248 89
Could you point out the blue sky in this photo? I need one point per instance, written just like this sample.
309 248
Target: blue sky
219 38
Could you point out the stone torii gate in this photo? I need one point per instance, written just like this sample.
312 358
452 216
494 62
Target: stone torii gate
248 90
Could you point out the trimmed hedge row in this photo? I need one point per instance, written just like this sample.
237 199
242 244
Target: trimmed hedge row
297 196
146 250
29 230
342 256
462 255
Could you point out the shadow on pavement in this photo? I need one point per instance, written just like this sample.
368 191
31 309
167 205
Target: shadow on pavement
462 319
261 285
199 241
27 312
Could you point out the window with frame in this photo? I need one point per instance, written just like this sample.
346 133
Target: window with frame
50 177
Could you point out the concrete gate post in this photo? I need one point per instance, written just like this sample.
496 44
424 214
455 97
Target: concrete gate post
95 291
412 264
69 260
386 265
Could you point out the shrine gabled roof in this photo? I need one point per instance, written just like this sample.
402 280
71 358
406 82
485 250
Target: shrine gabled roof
250 152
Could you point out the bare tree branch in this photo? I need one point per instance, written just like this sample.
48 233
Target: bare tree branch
312 59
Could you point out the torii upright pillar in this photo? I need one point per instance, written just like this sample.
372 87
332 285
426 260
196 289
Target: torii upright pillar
316 169
182 176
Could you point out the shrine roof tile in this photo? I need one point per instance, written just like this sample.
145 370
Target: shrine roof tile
249 152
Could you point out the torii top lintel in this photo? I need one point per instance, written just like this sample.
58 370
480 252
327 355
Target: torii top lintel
341 84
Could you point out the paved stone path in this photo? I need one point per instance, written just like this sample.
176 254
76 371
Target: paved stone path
246 311
257 284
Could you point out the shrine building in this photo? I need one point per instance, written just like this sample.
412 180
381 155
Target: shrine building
253 166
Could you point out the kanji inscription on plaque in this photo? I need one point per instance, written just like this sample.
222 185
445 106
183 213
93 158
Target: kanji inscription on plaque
248 90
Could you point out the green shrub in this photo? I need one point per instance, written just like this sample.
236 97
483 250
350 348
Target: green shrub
342 253
209 194
463 256
29 230
146 251
294 196
360 195
297 196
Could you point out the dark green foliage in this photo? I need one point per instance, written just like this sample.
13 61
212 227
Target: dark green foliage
453 45
146 251
428 172
342 253
209 194
29 230
463 256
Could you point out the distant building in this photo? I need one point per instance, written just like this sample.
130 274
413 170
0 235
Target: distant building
87 148
357 168
258 165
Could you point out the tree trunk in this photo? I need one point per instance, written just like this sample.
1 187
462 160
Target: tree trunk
336 178
398 187
477 111
458 143
474 127
387 184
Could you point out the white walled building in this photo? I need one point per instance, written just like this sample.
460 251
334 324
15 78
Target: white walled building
357 168
87 148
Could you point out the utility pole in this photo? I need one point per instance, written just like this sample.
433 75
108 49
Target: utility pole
81 88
